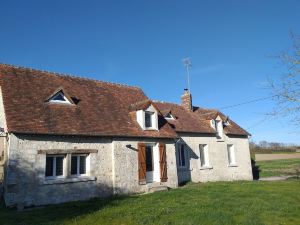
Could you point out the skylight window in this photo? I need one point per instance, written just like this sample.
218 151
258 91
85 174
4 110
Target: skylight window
169 116
59 97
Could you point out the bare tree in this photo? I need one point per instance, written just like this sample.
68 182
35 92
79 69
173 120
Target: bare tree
286 91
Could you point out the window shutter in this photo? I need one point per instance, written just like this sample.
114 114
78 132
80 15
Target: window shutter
163 162
142 162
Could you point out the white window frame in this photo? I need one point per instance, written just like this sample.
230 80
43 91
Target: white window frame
204 153
52 100
152 114
231 155
54 167
219 129
87 159
169 116
180 156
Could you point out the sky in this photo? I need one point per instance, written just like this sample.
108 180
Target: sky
231 45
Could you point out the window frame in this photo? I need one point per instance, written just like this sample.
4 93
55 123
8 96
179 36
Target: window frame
231 155
66 100
219 129
54 166
151 115
78 174
181 148
204 154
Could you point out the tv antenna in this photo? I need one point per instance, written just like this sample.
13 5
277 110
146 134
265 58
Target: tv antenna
187 63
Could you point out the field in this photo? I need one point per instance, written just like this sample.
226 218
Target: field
276 156
282 167
254 202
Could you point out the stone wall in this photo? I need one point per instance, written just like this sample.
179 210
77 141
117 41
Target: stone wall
126 166
25 182
218 159
113 169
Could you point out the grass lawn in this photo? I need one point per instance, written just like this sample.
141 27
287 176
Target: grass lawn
278 167
211 203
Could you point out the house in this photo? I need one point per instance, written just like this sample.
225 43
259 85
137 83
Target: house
211 146
67 138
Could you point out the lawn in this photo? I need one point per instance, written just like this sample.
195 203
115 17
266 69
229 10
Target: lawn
254 202
278 167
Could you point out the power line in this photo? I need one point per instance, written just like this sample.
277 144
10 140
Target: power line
248 102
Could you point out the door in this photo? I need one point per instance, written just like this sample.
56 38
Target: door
149 164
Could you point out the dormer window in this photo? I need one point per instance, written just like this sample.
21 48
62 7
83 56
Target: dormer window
169 116
149 119
59 97
217 124
219 128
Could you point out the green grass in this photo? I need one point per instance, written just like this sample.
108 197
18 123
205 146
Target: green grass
211 203
278 167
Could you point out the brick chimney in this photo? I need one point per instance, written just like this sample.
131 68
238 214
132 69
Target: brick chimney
186 100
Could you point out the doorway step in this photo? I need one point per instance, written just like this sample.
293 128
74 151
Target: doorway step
156 186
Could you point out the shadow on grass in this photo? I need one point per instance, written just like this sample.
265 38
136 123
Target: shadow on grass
255 169
56 214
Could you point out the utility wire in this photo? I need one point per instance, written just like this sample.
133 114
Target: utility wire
248 102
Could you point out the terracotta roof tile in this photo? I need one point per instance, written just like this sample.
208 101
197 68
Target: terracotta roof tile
101 109
197 121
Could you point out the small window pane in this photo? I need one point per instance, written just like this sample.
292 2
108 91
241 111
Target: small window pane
59 166
49 166
74 165
148 119
149 165
59 97
82 165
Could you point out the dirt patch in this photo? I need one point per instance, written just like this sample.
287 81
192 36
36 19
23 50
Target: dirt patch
265 157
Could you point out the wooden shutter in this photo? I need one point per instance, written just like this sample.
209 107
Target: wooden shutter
142 162
163 162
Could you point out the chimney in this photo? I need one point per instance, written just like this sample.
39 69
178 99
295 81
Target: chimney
186 100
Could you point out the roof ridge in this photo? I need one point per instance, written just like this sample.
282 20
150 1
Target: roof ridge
75 76
200 107
159 101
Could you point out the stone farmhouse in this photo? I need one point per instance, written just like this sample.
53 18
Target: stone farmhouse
65 138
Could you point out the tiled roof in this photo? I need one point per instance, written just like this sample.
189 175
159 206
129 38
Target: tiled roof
101 109
185 121
198 120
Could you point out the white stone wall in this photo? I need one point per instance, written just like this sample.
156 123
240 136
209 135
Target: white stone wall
219 169
2 113
113 169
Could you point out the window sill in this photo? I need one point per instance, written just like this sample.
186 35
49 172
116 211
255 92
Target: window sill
233 165
68 180
151 129
206 168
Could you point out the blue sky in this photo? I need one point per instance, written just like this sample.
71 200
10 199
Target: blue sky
142 43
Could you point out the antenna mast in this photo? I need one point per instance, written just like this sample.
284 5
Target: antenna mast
187 63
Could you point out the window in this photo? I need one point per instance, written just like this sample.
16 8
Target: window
219 128
181 156
169 116
231 155
204 160
54 166
149 161
78 165
59 97
149 119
